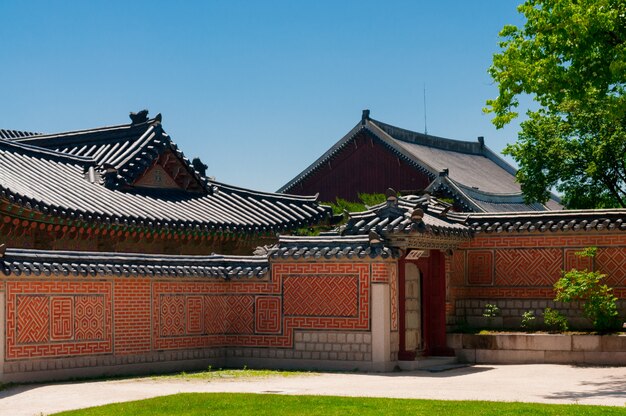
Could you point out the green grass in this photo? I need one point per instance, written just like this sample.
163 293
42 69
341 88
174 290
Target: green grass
221 374
269 404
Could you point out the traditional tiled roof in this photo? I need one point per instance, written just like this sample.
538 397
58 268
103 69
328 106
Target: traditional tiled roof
128 149
468 165
26 262
407 214
475 200
15 134
555 221
71 183
328 247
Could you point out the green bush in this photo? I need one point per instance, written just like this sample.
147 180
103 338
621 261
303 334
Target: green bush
555 320
599 303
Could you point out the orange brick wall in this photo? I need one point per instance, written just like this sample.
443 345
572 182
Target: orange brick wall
57 318
495 267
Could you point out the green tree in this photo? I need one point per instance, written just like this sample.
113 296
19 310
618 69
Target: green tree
570 57
599 303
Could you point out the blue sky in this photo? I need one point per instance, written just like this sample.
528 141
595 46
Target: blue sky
260 89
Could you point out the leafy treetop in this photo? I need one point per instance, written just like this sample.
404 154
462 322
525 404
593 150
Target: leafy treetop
570 57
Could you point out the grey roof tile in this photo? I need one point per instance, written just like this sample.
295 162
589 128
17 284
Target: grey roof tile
26 262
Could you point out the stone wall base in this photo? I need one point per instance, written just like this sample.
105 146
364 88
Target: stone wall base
539 349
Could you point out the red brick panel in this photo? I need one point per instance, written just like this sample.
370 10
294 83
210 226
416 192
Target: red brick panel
62 318
480 267
195 314
572 261
380 272
58 318
132 315
268 314
612 262
173 322
528 267
320 295
33 319
457 268
250 313
89 312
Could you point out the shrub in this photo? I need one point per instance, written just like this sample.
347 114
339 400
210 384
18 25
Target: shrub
528 320
599 303
555 320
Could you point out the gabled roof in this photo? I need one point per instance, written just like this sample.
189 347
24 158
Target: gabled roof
407 214
30 262
64 175
128 149
477 177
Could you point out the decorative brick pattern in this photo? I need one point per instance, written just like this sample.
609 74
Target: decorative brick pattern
320 295
33 319
172 315
62 318
393 292
268 314
480 267
58 318
89 323
529 267
195 314
572 261
245 313
612 262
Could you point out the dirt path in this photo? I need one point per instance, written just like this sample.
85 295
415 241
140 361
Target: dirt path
526 383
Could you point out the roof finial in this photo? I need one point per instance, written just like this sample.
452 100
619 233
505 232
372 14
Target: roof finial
481 140
444 172
365 116
139 117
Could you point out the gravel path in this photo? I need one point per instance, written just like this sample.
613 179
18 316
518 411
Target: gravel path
525 383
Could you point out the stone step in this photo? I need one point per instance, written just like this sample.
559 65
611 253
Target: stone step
434 364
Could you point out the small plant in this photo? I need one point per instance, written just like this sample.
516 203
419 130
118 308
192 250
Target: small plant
528 320
555 320
599 303
490 312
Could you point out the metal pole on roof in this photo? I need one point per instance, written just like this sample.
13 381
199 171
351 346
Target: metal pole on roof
425 125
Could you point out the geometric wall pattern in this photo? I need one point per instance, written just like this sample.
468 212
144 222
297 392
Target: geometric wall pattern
480 267
54 318
528 267
320 295
393 292
261 312
612 262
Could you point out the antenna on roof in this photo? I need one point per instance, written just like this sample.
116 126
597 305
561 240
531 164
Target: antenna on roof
425 125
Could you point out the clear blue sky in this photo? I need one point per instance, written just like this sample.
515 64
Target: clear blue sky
257 89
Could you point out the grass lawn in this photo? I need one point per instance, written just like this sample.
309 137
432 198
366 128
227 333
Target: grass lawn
268 404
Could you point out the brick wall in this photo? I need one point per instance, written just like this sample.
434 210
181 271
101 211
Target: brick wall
313 311
517 273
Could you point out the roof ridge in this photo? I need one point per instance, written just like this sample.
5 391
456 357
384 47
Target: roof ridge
46 136
15 134
429 139
44 152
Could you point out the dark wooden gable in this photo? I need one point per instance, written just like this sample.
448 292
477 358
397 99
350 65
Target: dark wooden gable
168 171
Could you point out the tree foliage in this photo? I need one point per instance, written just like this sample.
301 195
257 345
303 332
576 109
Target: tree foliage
599 303
570 57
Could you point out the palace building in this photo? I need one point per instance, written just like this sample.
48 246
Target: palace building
118 255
